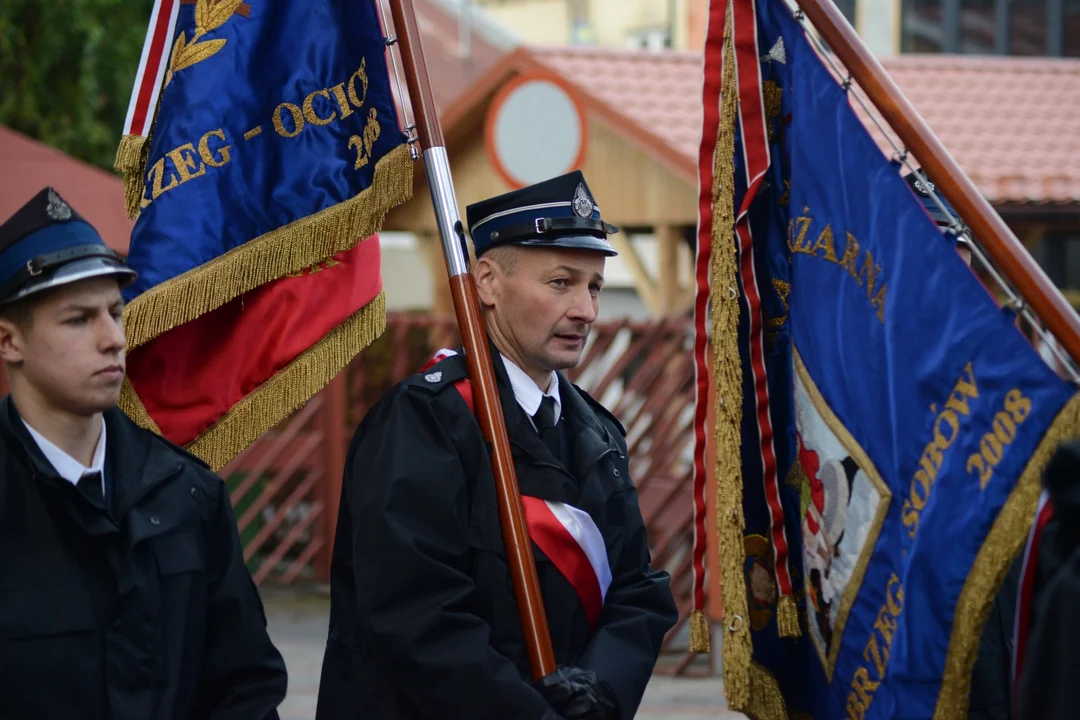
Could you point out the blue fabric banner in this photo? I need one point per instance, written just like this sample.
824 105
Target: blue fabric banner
276 145
894 420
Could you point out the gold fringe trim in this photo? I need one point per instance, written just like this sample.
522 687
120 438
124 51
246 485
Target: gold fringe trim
131 157
1001 547
288 249
766 700
699 632
787 617
727 376
132 406
291 387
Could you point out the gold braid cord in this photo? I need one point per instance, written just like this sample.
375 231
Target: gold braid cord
274 400
727 376
766 701
131 157
288 249
699 632
1001 547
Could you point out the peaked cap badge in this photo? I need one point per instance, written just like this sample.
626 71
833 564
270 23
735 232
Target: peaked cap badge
583 205
57 209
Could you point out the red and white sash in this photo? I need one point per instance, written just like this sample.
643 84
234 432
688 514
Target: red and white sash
567 535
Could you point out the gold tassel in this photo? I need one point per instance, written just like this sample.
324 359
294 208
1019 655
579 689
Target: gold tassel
290 388
131 157
288 249
699 633
1003 544
766 701
274 400
787 617
132 406
727 374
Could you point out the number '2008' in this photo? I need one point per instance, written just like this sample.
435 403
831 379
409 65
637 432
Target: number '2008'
1001 434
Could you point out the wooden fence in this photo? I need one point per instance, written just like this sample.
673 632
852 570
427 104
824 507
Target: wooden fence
286 487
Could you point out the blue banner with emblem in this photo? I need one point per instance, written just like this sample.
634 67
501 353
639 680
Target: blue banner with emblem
894 419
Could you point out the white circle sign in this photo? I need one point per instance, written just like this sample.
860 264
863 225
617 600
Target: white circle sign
535 130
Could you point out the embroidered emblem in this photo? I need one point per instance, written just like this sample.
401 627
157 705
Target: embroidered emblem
583 206
924 186
209 15
843 502
777 53
434 377
57 209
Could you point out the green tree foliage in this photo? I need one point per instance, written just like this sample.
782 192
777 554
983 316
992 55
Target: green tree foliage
67 68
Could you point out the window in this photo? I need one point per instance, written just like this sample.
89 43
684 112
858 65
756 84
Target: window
848 8
653 39
1071 29
1059 257
1000 27
978 26
922 26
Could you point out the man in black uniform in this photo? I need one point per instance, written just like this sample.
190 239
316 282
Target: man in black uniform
424 622
123 590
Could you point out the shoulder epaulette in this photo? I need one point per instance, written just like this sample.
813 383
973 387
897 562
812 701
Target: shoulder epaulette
439 376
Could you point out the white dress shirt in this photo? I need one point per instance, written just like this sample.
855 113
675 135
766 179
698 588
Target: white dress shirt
528 394
68 467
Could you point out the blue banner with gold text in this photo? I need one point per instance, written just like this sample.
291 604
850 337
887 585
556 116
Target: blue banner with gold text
894 421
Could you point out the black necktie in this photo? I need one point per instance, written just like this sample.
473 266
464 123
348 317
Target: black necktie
90 486
545 424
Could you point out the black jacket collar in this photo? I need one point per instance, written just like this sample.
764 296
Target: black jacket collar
135 460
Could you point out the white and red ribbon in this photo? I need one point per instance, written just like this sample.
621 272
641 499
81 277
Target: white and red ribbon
155 58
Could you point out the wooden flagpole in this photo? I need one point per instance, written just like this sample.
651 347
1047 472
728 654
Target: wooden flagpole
474 339
992 232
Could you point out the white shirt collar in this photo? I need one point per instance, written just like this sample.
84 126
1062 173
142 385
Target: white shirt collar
68 467
526 391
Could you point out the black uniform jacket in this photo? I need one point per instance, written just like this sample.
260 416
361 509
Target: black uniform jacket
140 610
424 621
1048 687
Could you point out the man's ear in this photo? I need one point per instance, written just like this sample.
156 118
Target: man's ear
12 342
488 277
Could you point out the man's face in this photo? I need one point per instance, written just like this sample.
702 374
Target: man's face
71 352
544 303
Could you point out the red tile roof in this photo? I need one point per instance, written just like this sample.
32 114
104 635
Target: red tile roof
1011 123
97 195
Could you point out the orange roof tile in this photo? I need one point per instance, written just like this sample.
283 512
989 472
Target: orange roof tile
97 195
1009 122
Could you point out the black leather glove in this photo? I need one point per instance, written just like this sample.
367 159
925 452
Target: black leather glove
579 694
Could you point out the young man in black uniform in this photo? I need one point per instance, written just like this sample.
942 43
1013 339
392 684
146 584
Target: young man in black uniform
424 621
123 589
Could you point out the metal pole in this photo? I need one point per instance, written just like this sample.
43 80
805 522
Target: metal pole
993 234
475 342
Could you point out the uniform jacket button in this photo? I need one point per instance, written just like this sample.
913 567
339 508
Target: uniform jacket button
194 492
154 520
615 473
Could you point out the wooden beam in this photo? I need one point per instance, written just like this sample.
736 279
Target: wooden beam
667 240
441 301
642 282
